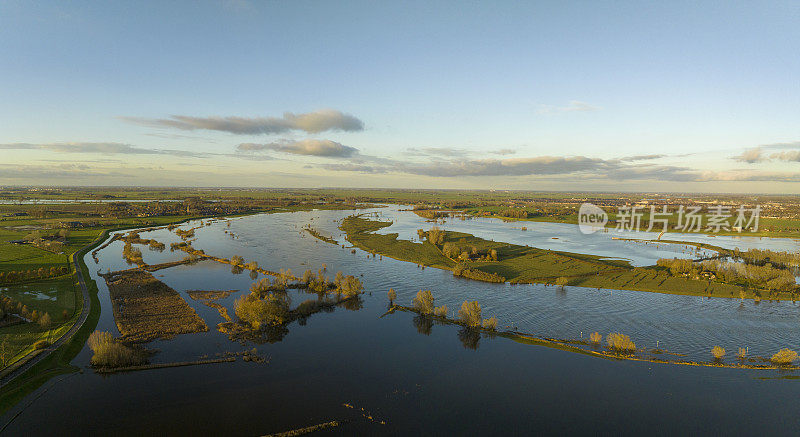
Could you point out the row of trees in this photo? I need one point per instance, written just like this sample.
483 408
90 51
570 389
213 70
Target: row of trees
460 250
470 313
26 275
464 252
764 257
517 213
749 275
268 304
752 275
11 306
462 270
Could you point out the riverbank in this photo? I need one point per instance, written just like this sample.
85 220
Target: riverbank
596 349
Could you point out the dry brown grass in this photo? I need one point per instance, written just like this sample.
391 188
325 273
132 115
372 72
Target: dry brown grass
209 294
221 309
146 308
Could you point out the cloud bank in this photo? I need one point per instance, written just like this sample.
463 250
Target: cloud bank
761 153
310 122
101 148
309 147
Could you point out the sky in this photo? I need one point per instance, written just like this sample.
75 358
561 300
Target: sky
540 95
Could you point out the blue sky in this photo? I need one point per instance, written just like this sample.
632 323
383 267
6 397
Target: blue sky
633 96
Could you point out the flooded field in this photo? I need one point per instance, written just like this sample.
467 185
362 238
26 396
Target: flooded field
411 380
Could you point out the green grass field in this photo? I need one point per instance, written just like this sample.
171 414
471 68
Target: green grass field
522 264
360 232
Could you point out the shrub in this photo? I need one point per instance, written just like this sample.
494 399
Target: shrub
436 236
257 312
110 353
562 281
478 275
490 323
392 295
784 357
470 313
45 321
440 311
742 353
99 338
718 352
41 344
595 337
451 250
423 302
351 286
620 343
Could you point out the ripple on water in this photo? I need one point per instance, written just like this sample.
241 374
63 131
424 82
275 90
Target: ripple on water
685 324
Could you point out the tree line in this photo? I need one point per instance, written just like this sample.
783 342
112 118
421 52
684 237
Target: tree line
27 275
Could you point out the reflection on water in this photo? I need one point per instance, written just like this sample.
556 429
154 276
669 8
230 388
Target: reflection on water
686 324
470 338
352 355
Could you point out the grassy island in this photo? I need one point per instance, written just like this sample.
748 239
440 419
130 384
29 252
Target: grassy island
476 258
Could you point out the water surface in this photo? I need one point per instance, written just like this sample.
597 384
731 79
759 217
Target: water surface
437 383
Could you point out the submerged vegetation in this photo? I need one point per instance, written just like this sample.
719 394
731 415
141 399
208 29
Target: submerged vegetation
316 234
267 309
146 308
620 343
470 314
784 357
765 277
109 352
423 302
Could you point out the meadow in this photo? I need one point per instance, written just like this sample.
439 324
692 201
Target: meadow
530 265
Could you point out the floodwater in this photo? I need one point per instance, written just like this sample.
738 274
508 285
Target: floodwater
420 381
